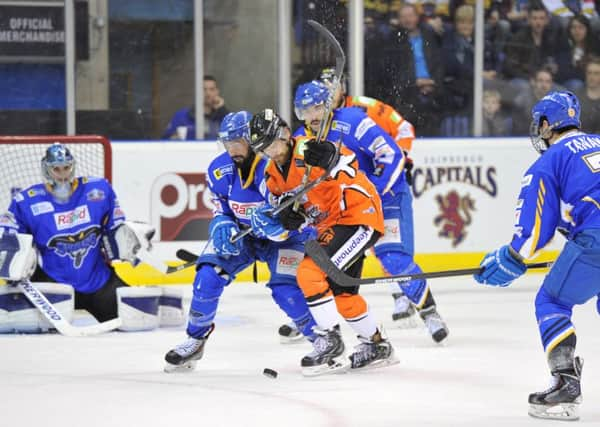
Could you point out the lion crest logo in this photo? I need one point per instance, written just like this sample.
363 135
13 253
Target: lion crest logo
455 216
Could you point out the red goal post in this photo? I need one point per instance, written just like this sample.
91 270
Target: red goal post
21 155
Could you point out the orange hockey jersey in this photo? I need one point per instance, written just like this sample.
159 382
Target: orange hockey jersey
401 130
347 197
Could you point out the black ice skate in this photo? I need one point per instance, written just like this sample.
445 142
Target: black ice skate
328 354
289 334
561 400
404 312
373 352
435 324
183 357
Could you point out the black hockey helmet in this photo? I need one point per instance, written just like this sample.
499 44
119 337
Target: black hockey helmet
265 127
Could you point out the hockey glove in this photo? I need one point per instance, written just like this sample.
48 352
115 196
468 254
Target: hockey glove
291 219
500 268
265 225
321 154
221 229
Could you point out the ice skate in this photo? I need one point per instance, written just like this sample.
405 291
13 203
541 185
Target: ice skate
328 355
183 357
435 324
561 400
373 352
404 314
289 334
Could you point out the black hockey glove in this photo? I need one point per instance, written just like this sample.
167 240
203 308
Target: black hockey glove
408 167
321 154
291 219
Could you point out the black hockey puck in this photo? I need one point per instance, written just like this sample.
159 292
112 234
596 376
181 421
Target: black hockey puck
270 373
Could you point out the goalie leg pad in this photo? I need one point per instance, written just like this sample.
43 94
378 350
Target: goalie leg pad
170 308
18 315
138 307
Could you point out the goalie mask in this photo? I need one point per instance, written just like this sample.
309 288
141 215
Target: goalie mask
58 170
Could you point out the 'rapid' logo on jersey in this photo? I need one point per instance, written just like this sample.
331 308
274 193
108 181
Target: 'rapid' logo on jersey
455 216
243 210
288 261
79 215
180 206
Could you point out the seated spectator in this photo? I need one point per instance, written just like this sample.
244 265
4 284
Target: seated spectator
412 70
495 121
183 123
540 83
532 47
571 62
589 97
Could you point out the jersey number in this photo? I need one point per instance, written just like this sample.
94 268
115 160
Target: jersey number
593 161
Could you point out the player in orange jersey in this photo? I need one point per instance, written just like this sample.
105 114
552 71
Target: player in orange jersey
346 212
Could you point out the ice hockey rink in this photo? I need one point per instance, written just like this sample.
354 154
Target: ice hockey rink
481 377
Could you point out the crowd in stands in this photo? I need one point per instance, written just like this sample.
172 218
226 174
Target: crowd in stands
419 58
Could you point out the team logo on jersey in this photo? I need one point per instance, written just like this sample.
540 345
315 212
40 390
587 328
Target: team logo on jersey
76 245
32 192
95 195
455 216
287 261
222 171
79 215
41 208
343 127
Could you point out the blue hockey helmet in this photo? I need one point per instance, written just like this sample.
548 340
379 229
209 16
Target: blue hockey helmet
560 109
235 126
309 94
58 155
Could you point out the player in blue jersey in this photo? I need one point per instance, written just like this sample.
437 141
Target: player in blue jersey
560 191
382 160
236 179
75 222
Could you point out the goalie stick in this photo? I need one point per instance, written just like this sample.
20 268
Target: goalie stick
320 257
340 62
57 320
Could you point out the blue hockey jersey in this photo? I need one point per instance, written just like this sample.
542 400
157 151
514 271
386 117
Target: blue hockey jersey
561 190
68 236
230 195
379 157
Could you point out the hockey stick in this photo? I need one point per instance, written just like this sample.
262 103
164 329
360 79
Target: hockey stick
57 320
320 257
340 62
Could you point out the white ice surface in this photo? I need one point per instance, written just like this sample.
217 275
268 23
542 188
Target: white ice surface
481 377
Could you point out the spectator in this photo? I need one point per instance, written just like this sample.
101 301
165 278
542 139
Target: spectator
529 48
183 123
412 70
571 62
495 121
589 97
540 83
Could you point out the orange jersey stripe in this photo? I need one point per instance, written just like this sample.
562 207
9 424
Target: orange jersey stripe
400 129
348 198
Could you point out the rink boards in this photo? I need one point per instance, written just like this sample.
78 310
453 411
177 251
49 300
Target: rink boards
464 191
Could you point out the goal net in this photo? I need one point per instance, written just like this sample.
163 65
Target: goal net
20 160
